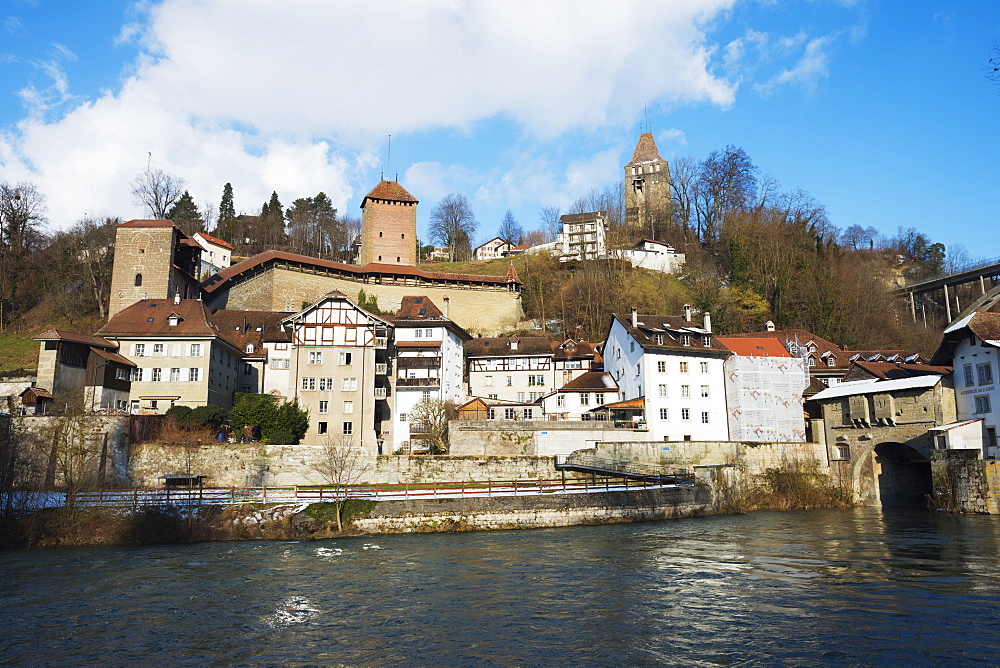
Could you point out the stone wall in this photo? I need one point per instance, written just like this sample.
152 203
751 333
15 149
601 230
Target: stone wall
525 437
486 312
522 512
964 483
756 457
93 445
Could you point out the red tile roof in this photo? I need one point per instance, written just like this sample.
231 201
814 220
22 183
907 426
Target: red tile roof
60 335
112 357
671 328
749 347
389 190
645 150
215 240
417 308
149 223
591 380
150 317
241 328
261 261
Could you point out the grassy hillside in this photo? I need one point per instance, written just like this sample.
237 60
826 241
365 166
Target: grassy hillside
18 351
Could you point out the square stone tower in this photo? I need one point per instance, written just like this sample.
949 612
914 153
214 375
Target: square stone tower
153 260
389 226
647 186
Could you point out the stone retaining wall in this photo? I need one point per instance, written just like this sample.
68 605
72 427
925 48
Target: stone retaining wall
964 483
756 457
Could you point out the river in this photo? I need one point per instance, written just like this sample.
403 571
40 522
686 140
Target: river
845 588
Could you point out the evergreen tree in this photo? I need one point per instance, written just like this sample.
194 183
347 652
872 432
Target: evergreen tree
186 215
227 211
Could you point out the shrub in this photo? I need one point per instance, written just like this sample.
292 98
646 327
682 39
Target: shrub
208 416
180 414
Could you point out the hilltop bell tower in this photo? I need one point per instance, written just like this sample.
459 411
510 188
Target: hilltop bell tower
154 260
647 187
389 226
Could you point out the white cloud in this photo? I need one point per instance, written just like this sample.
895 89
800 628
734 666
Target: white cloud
296 94
811 67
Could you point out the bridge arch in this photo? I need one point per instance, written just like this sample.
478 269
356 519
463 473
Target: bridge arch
892 474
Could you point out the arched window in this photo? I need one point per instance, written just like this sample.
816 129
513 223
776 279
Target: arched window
249 348
138 280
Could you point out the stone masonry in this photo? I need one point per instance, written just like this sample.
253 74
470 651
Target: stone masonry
389 226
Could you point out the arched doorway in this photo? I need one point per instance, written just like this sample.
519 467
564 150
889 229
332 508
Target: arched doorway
904 476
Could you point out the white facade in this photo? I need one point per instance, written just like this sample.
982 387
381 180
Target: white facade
574 403
977 396
215 254
583 236
277 374
525 369
684 392
492 249
428 365
654 255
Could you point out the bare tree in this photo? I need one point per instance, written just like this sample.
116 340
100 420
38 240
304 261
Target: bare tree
22 216
343 465
157 191
431 416
453 222
510 230
549 217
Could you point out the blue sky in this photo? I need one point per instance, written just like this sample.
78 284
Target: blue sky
880 110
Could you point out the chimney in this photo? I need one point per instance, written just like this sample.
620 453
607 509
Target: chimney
687 312
447 304
769 326
177 298
635 317
708 322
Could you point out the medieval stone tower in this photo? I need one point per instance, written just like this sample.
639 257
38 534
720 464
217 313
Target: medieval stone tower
153 260
389 226
647 187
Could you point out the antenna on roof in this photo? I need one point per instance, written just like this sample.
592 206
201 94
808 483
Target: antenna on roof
645 114
388 158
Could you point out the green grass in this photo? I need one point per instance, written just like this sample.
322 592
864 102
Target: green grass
18 351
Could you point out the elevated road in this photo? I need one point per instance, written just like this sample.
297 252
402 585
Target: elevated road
986 273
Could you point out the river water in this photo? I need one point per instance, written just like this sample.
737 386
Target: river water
845 588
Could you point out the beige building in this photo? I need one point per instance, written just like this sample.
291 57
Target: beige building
181 356
339 373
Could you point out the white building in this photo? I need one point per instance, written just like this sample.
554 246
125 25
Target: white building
428 362
492 249
577 398
676 368
764 387
972 346
216 254
523 369
653 255
583 236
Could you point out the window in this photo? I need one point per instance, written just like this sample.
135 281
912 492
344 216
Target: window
428 333
348 428
969 382
175 375
661 366
704 391
508 414
664 414
308 383
536 380
685 339
585 398
843 452
703 366
528 413
345 358
157 375
831 361
418 334
153 403
812 360
325 384
560 400
684 367
250 349
194 375
324 407
985 373
122 373
659 339
196 350
140 350
983 404
534 396
706 341
402 417
991 437
321 428
663 390
316 357
493 396
488 381
685 391
704 417
631 346
173 321
520 396
281 346
158 349
491 414
138 280
685 413
599 398
510 381
349 384
348 407
280 364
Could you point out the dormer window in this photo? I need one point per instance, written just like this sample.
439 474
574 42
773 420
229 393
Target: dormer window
513 344
831 361
812 360
706 341
659 339
685 339
173 320
250 349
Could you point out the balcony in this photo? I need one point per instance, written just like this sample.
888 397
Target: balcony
418 363
381 392
381 368
418 382
381 342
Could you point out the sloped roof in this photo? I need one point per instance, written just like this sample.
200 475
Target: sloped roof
671 328
570 349
645 150
418 307
585 217
500 346
86 339
589 381
242 328
39 392
873 386
983 324
892 370
149 223
214 240
149 317
751 347
112 357
628 403
391 191
263 261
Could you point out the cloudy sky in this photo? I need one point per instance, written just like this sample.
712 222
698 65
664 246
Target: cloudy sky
881 110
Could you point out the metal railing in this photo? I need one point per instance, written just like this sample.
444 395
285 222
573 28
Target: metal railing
610 466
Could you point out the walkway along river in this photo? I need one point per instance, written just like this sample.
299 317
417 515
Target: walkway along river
852 587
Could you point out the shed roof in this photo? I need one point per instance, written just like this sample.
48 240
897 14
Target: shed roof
874 386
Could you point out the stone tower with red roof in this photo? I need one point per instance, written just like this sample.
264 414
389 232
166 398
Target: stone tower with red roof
389 226
647 186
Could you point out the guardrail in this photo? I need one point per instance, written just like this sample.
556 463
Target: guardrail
611 466
136 498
